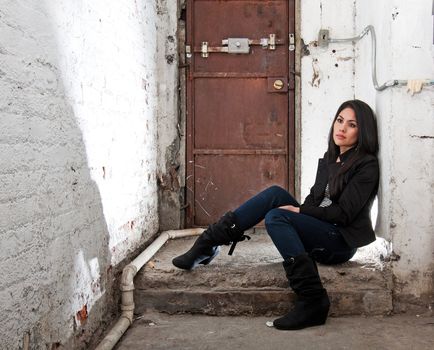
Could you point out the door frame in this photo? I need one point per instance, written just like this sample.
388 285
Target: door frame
294 163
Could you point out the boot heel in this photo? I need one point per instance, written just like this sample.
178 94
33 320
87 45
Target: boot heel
209 259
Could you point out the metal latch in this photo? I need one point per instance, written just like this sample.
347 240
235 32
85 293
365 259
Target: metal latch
188 51
238 45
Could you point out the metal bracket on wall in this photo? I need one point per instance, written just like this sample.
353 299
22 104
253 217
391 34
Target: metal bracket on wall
323 38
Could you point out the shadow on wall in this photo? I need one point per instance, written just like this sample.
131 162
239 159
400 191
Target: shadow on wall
170 191
54 254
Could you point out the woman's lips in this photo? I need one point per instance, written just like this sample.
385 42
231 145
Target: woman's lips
340 137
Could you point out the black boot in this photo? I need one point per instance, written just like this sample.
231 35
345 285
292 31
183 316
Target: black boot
312 304
206 247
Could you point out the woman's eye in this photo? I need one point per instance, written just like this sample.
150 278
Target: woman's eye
353 125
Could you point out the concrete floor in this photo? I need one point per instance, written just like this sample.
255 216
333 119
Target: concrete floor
159 331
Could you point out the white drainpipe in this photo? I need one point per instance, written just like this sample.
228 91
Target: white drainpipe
127 285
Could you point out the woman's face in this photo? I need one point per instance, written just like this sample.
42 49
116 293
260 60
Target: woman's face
345 130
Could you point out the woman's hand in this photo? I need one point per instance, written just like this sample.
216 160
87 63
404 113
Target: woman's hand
290 208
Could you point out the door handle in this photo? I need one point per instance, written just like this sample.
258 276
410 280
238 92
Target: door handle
277 84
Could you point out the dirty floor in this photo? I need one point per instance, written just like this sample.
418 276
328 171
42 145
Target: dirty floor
159 331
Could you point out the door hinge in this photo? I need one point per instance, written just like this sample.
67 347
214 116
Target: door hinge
291 42
188 51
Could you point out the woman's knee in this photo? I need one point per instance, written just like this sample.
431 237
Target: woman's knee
275 189
278 196
273 216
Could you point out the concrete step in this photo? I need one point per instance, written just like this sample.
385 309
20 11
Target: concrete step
252 282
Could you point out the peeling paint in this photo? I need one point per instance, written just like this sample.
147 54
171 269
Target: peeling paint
304 49
316 80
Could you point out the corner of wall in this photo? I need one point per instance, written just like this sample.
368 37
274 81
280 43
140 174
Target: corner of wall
170 118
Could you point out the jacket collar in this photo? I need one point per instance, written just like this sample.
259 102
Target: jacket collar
347 154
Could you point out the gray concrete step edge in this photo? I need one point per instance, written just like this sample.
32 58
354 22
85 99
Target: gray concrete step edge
255 302
253 282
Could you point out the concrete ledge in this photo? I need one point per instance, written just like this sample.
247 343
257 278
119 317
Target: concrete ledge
252 282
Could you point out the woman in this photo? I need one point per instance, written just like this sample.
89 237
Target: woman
328 227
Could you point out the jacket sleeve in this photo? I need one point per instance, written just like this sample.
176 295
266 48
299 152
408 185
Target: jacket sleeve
353 198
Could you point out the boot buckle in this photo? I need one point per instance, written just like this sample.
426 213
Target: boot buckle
234 243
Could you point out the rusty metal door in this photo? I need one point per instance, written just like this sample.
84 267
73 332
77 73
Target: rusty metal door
240 103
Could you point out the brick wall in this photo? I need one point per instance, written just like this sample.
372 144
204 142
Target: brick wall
78 158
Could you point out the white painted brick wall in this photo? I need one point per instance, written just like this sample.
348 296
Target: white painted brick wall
82 138
406 127
78 156
323 86
405 51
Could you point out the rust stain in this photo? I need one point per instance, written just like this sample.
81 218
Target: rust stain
82 314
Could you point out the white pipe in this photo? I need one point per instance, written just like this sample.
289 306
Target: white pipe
127 285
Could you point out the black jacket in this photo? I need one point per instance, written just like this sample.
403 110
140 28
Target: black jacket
350 211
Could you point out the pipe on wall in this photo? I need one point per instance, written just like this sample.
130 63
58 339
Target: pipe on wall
395 82
127 285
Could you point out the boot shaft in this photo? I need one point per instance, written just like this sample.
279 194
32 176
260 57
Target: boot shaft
225 231
303 277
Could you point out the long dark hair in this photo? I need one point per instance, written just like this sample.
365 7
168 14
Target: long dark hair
367 141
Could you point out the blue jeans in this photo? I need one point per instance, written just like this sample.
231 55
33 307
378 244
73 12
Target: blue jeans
293 233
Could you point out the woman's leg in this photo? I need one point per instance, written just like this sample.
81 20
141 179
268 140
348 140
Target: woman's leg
231 226
251 212
294 233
